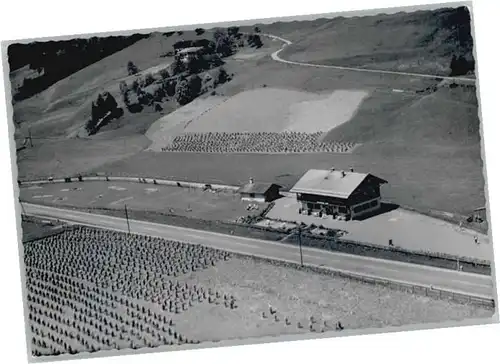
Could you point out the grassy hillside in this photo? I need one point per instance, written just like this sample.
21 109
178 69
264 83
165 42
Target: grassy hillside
291 30
447 117
65 105
426 144
55 115
423 41
425 141
55 60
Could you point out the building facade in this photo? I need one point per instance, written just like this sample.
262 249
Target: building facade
190 53
343 194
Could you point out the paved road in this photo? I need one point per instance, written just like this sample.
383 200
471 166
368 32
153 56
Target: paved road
407 230
275 56
454 281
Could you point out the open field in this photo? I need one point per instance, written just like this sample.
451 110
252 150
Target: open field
407 173
91 290
406 229
164 130
70 157
285 121
261 109
279 110
195 203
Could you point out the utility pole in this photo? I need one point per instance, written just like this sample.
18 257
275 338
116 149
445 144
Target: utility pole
126 215
300 246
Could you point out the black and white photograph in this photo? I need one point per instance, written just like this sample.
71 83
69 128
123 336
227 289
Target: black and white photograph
276 179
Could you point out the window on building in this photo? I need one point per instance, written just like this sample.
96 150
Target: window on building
252 195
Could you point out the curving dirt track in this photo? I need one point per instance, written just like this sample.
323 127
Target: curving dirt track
275 56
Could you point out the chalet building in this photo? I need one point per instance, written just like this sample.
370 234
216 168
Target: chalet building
343 194
259 192
189 53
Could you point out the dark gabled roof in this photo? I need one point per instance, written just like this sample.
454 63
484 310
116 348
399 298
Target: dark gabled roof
257 187
332 183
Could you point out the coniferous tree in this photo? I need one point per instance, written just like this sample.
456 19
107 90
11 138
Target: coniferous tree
132 68
177 66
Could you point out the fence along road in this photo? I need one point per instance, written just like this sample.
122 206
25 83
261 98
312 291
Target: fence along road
275 56
462 283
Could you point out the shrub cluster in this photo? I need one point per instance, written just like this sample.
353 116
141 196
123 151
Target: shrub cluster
132 69
104 109
254 41
461 66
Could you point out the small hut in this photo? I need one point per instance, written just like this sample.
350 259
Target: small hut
259 191
479 214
